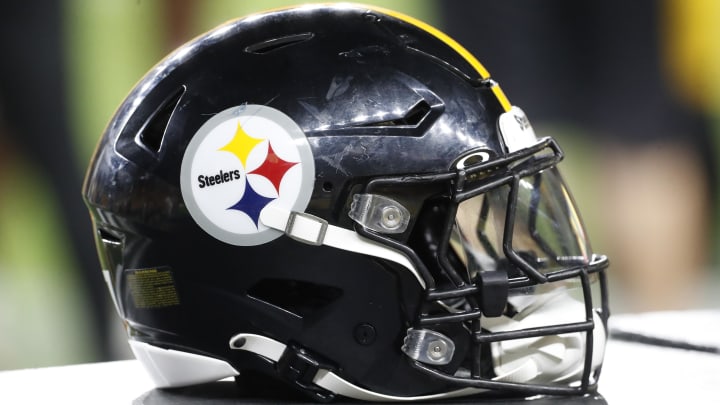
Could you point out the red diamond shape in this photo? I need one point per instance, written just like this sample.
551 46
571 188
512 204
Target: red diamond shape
273 168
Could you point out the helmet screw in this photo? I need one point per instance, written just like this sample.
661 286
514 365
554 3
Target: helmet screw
365 334
391 217
437 349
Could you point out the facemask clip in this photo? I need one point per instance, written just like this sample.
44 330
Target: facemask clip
428 346
494 287
379 213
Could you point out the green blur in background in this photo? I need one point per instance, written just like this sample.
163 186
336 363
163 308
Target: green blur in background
109 46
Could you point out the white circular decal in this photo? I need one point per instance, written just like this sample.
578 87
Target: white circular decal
240 161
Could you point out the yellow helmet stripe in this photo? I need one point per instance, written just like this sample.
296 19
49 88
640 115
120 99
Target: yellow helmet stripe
472 60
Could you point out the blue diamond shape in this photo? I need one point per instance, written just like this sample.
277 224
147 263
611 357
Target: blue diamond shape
251 203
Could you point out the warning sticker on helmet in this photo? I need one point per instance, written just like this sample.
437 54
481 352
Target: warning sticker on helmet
152 288
241 161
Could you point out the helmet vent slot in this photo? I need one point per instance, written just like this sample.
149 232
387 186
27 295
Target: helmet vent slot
412 118
108 238
274 44
301 298
153 131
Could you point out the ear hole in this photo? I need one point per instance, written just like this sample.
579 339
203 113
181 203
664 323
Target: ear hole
152 134
301 298
274 44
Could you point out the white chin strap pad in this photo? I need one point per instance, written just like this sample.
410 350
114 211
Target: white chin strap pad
545 359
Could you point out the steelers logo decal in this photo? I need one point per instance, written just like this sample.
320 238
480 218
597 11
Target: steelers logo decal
241 161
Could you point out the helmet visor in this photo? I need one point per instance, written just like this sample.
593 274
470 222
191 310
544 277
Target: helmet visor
544 232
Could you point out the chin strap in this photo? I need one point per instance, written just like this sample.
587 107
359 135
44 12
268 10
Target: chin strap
316 231
325 378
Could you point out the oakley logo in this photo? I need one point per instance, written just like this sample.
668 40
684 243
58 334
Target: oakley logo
472 159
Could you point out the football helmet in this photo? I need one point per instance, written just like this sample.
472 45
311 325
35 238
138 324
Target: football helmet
341 198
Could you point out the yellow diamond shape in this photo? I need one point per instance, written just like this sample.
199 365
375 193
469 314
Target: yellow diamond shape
241 144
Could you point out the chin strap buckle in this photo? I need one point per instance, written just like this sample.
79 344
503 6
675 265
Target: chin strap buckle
292 363
299 367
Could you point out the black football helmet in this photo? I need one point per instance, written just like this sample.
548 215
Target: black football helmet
341 197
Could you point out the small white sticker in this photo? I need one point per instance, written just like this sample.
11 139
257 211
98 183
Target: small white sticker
240 161
516 130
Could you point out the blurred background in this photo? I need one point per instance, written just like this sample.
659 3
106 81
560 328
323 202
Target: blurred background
630 89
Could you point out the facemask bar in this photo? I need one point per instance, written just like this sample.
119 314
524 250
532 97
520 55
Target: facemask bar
467 183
